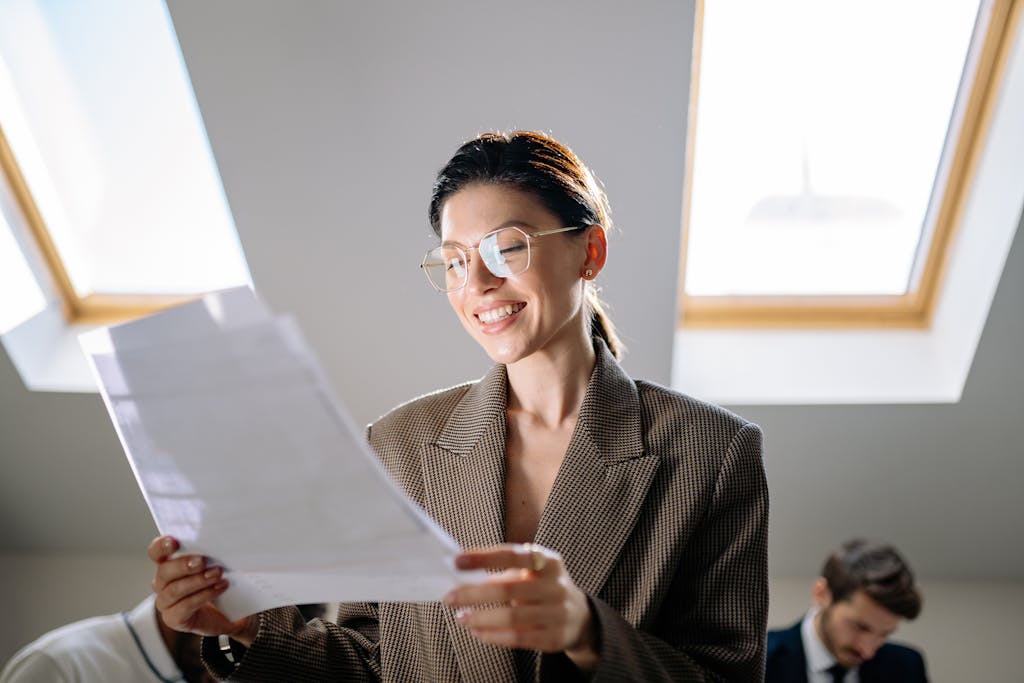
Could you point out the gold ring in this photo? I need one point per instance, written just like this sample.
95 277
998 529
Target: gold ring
537 558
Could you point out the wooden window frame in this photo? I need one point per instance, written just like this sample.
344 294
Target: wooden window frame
914 309
94 308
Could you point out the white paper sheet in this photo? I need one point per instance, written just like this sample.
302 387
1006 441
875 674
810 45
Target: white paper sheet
243 453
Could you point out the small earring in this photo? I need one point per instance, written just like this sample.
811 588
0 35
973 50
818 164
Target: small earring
588 273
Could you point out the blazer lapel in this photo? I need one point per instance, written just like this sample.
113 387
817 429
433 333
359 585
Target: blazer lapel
464 470
598 492
603 481
464 480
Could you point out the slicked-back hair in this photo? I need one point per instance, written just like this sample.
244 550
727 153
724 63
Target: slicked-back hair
537 164
878 570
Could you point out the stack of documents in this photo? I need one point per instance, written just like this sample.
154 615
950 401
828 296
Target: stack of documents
244 455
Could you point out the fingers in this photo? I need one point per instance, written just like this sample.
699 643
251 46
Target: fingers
528 556
515 589
162 547
184 600
194 613
527 618
169 571
533 627
538 583
533 604
543 640
175 591
160 551
184 587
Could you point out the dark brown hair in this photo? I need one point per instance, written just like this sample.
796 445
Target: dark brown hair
540 165
878 570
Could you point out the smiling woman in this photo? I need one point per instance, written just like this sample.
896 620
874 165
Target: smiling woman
624 525
555 181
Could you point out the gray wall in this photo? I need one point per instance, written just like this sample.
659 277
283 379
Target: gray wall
942 482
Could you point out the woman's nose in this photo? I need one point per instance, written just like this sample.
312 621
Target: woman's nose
481 279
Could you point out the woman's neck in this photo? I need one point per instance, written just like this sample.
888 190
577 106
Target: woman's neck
550 385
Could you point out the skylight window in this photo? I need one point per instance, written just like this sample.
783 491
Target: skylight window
819 134
114 161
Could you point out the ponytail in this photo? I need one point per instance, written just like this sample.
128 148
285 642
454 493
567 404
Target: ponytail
601 325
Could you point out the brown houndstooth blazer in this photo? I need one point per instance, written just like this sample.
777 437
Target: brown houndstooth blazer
659 511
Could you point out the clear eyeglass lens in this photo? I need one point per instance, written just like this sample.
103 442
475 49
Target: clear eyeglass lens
506 252
445 266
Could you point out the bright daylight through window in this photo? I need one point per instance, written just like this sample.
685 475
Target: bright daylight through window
819 131
103 128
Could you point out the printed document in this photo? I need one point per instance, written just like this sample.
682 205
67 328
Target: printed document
244 454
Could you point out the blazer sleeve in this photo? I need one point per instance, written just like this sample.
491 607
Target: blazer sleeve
714 627
289 648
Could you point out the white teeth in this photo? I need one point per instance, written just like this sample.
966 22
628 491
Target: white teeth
499 313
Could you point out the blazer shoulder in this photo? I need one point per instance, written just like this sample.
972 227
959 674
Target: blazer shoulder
782 639
669 415
902 659
660 400
421 418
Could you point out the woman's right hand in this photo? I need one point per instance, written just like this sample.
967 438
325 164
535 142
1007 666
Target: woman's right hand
185 588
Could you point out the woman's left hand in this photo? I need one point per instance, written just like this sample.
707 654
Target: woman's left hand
531 604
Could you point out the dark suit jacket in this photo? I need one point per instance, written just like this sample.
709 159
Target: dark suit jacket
659 511
891 664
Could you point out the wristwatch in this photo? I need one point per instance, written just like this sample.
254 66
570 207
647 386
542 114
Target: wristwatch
225 647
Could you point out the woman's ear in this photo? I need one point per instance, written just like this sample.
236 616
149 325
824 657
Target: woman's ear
597 252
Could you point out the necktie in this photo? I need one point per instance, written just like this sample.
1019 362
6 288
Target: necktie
837 672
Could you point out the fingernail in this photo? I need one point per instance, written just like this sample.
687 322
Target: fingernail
212 573
461 614
220 585
168 544
195 562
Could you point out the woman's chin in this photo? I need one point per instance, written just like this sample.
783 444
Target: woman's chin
503 351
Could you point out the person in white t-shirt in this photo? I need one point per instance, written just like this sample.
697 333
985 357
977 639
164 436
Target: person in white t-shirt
130 646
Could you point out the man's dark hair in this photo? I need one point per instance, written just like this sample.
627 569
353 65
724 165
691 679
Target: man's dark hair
878 570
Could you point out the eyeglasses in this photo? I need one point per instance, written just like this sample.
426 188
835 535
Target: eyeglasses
505 252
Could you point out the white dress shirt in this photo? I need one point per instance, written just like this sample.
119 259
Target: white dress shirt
819 659
117 647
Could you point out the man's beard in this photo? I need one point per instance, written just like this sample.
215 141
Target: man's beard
823 632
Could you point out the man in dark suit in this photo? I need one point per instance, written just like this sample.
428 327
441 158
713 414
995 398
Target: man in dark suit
864 592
